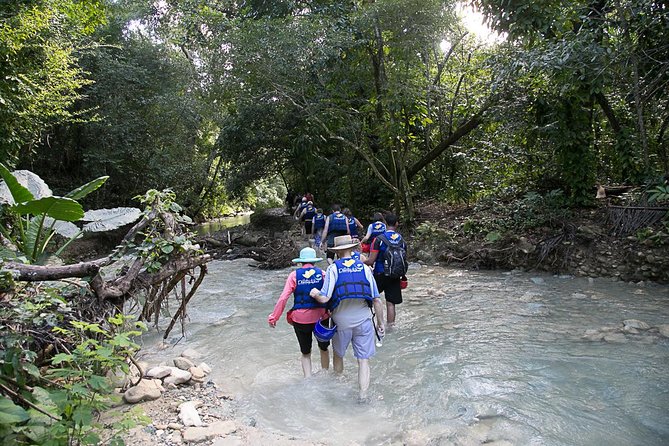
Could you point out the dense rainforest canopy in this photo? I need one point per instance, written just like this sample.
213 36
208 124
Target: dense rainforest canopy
370 103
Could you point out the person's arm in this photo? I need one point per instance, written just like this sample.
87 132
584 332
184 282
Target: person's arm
358 224
376 302
288 289
313 225
368 235
325 294
373 253
324 236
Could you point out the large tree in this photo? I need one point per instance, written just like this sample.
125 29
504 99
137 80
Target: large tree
40 78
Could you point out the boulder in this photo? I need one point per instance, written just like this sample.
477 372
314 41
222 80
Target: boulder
636 324
217 429
146 390
205 368
158 372
196 373
664 330
183 363
191 354
177 376
188 414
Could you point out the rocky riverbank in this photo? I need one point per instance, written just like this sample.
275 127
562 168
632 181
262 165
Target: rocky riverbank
582 242
176 404
579 242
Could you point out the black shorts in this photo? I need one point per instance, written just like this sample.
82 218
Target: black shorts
307 226
304 333
390 287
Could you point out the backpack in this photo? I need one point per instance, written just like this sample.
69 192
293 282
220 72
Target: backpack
395 263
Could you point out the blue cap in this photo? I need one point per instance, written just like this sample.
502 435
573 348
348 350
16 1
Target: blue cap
307 255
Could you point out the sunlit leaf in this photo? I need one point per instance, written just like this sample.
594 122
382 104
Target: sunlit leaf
60 208
11 189
87 188
108 219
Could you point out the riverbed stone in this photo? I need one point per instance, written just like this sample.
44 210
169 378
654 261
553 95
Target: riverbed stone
146 390
204 433
158 372
615 338
177 376
183 363
593 335
636 324
205 368
188 414
663 329
196 373
191 354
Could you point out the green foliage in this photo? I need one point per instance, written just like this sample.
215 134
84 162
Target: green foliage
154 248
40 77
32 221
659 194
58 402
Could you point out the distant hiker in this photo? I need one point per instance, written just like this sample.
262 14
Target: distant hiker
317 226
306 218
298 210
350 292
376 228
388 257
306 311
336 224
353 224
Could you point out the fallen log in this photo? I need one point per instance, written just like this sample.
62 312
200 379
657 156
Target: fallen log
38 273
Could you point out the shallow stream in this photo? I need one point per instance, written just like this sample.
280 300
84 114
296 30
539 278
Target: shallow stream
475 358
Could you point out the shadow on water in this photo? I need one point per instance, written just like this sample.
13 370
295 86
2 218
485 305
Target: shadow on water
476 358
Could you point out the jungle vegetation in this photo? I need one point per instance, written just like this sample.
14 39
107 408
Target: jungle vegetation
370 103
227 105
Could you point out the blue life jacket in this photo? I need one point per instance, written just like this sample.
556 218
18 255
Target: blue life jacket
310 212
393 237
378 228
351 283
355 255
338 223
319 221
352 227
307 278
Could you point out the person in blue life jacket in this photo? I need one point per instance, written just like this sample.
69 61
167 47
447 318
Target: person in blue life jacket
391 287
350 293
336 224
300 207
306 218
376 228
353 224
317 226
306 311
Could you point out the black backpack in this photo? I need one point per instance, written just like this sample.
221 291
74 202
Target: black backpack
395 263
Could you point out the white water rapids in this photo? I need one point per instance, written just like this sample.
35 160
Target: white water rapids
475 358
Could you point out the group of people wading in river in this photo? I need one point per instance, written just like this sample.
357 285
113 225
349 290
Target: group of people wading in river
342 305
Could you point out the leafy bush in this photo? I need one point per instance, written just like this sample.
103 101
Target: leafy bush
55 401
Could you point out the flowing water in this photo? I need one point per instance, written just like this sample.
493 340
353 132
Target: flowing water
475 358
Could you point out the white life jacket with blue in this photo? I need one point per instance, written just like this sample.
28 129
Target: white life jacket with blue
352 227
338 223
319 221
306 279
351 283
